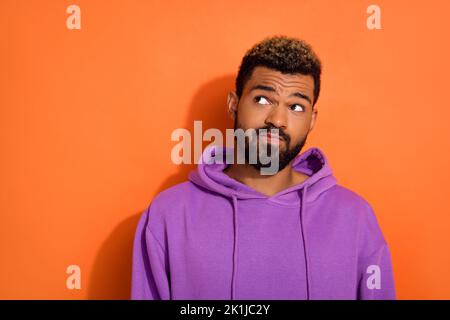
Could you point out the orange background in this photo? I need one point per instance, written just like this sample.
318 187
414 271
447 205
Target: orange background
86 118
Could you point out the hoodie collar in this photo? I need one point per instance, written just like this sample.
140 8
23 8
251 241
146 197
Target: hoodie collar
312 162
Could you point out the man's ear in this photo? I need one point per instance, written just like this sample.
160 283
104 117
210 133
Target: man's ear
313 118
232 103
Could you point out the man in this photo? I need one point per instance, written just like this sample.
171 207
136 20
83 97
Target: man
232 233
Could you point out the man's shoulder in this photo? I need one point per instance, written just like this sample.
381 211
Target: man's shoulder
348 200
173 193
347 195
169 203
350 206
360 207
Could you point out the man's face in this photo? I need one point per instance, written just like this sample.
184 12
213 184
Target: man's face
273 100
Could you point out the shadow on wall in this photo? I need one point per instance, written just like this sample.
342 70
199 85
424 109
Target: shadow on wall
110 277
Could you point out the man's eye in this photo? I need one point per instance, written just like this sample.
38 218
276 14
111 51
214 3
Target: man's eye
261 98
297 107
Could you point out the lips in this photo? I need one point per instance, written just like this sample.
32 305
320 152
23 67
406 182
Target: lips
269 136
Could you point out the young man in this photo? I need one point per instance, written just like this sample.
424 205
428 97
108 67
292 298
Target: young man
232 233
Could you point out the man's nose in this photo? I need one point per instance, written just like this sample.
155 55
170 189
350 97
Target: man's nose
277 117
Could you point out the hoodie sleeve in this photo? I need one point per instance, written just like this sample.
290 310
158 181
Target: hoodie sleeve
376 276
150 268
376 280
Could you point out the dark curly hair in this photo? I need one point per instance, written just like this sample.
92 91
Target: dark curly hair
285 54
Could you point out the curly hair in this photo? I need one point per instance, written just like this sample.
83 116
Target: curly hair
285 54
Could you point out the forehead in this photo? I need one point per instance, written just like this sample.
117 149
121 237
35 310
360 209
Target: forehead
280 81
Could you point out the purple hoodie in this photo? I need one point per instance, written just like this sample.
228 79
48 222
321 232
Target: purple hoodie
213 237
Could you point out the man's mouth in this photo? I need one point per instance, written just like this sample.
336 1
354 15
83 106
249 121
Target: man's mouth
271 137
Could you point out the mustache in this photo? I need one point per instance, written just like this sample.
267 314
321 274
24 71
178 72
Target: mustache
281 133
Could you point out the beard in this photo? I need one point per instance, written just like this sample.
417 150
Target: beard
284 156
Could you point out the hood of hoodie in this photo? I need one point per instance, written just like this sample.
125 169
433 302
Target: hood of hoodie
312 162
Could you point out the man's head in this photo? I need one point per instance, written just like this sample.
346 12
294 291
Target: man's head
277 87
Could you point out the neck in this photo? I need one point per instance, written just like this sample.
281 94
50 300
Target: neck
266 184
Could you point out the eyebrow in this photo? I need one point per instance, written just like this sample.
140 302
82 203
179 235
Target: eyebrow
271 89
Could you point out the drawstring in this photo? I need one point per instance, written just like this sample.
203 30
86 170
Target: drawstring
302 211
233 278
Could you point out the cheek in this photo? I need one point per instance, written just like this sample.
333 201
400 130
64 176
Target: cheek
299 129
